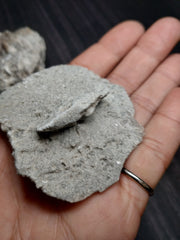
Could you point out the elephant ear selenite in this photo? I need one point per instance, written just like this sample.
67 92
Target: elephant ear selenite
70 130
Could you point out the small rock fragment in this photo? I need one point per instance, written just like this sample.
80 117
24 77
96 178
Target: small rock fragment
75 162
21 53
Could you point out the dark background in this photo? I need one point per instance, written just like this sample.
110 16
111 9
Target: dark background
69 27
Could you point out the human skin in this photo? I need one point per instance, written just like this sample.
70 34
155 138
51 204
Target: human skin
138 60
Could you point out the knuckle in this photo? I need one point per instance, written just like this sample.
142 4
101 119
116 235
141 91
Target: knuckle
143 102
134 23
157 150
171 21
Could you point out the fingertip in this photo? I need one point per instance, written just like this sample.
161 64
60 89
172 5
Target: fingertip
134 24
126 27
169 20
170 23
161 38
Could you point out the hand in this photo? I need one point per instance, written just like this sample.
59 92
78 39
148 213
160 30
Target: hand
138 61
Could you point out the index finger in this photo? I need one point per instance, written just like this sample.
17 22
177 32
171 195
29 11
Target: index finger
104 55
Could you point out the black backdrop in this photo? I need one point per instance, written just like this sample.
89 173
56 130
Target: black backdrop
69 27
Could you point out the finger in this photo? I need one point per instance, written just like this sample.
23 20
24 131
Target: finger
150 50
104 55
162 138
150 95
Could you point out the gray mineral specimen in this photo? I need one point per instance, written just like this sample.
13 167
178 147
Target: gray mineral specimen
21 53
92 130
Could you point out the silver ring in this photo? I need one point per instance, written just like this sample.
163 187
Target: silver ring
139 180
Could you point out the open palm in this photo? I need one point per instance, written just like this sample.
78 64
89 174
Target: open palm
138 61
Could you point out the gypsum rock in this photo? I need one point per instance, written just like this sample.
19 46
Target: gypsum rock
21 53
75 162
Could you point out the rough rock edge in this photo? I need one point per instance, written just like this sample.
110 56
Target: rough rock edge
21 53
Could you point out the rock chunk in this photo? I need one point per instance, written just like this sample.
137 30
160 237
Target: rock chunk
85 157
21 53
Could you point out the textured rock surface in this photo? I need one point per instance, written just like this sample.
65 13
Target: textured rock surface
72 163
21 53
82 107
